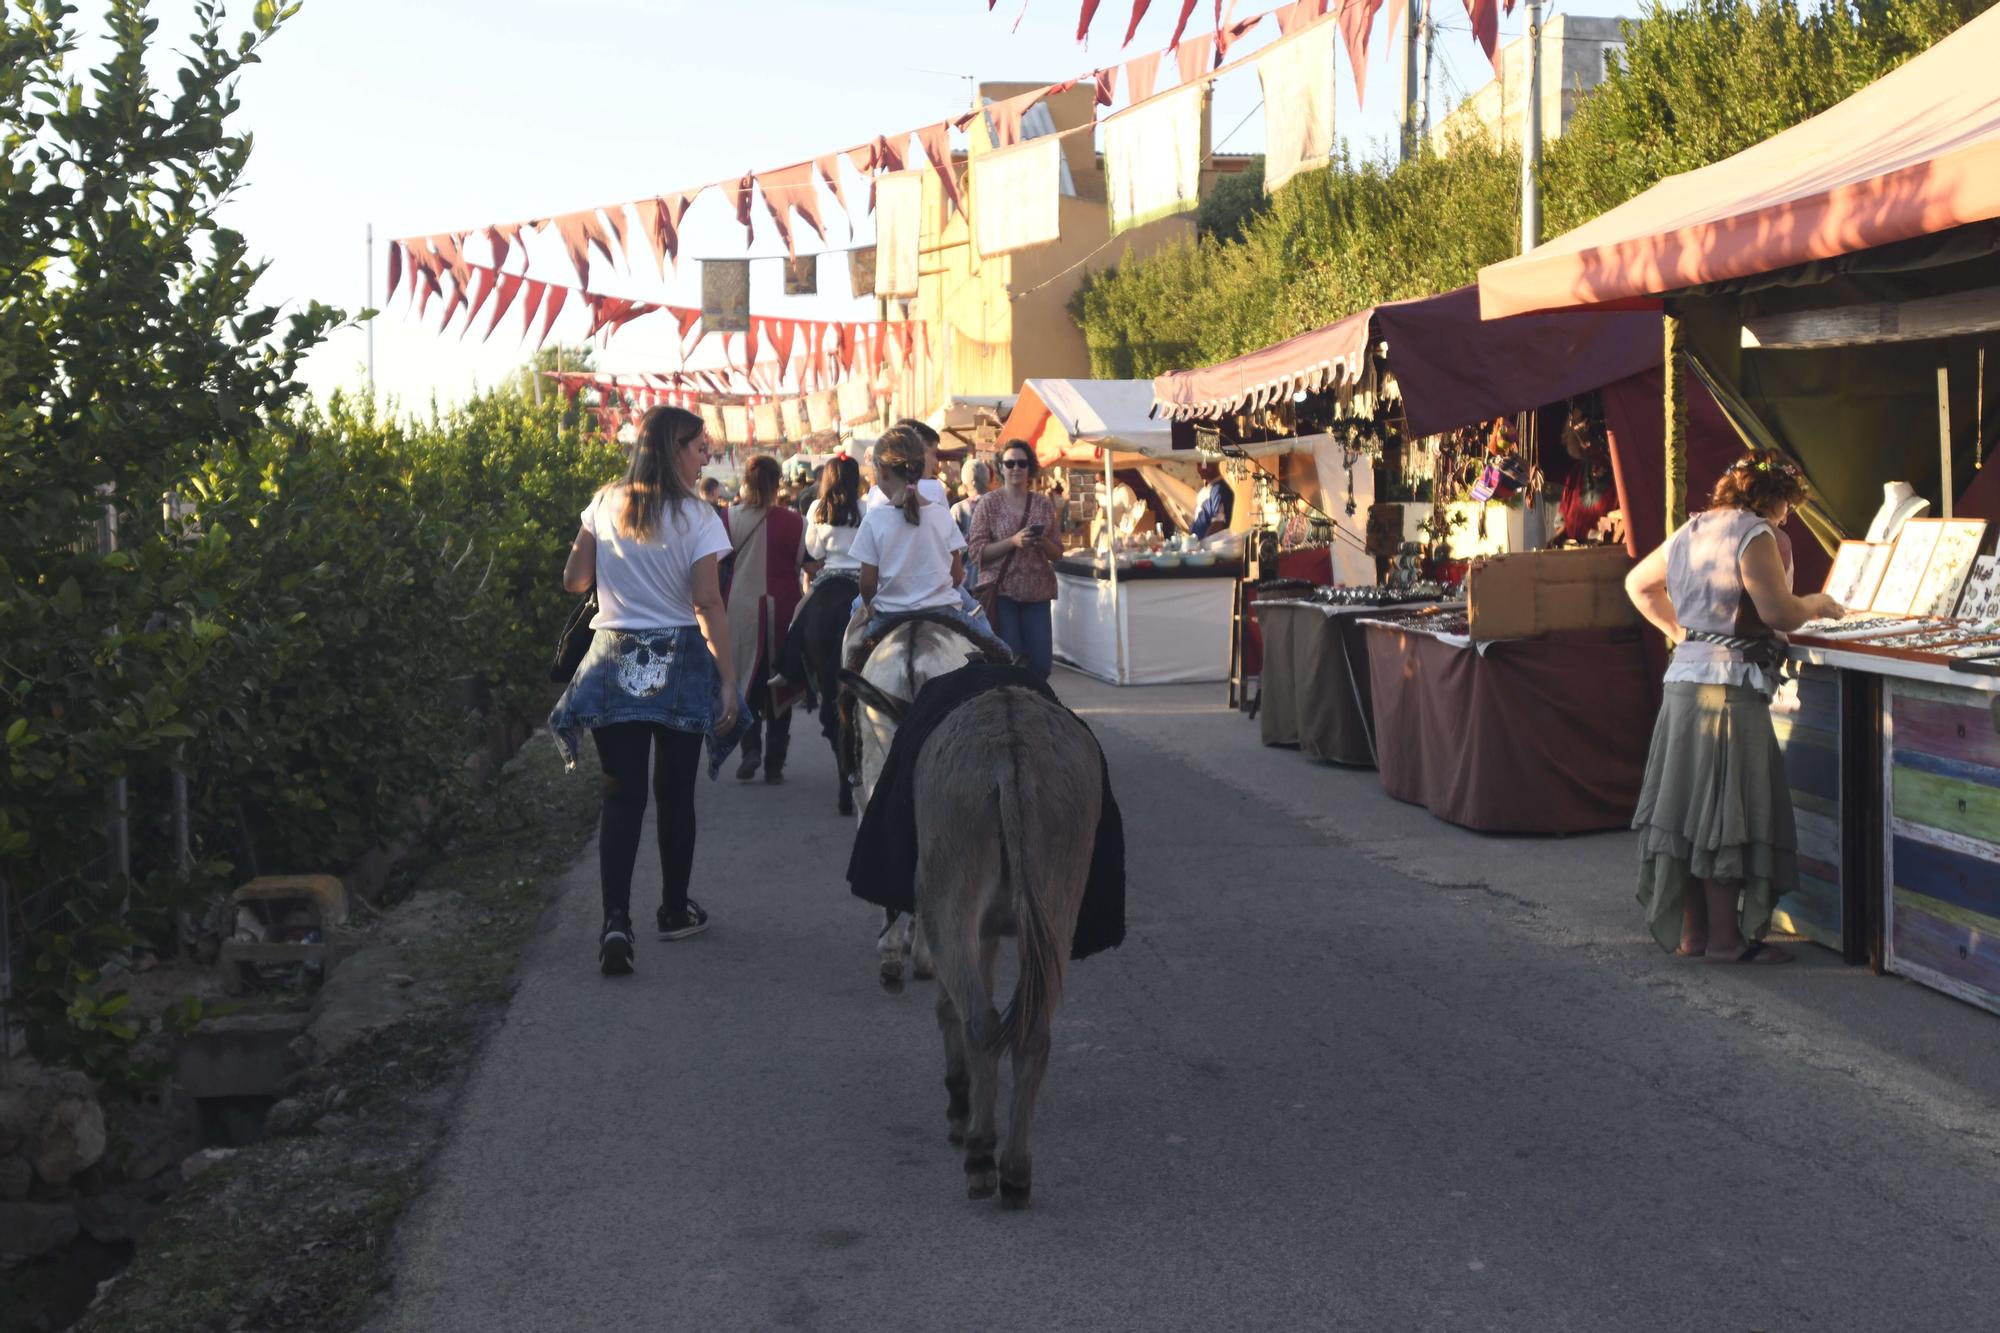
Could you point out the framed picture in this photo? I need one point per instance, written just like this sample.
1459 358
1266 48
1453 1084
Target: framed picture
1897 592
1857 571
1957 547
1981 599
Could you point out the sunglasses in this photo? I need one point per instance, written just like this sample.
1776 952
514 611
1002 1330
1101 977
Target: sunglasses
1015 464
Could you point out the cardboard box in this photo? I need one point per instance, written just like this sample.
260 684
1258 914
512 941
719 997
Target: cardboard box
1535 592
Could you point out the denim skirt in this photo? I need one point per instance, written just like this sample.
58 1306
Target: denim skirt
661 676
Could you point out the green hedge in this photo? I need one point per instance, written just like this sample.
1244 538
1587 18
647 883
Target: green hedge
304 605
1695 83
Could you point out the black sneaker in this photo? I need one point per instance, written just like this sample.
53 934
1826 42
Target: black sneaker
747 770
690 920
614 947
774 774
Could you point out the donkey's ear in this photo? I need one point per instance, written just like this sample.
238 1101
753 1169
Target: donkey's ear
866 691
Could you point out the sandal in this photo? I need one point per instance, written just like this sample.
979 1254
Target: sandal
1760 952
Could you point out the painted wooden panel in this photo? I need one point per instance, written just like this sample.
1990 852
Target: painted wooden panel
1955 877
1959 728
1970 959
1805 716
1969 808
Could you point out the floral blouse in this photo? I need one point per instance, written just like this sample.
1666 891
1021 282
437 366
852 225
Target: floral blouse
1025 575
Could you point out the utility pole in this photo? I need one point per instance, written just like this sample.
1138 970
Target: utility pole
1412 28
1531 134
1424 81
370 304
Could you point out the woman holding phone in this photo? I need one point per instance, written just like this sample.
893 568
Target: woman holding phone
1014 537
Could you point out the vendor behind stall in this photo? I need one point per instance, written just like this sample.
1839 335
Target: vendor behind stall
1216 506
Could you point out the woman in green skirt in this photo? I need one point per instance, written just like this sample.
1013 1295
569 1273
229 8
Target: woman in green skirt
1717 843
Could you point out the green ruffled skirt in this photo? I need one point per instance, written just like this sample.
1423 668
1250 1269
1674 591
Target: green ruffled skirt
1715 805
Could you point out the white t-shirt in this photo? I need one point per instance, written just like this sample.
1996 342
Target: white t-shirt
649 583
912 560
828 543
930 488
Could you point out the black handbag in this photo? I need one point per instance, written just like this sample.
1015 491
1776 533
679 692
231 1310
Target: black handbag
574 641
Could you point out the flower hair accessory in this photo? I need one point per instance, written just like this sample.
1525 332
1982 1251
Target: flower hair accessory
1766 465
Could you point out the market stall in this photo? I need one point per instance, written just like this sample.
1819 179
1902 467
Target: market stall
1131 617
1405 376
1836 288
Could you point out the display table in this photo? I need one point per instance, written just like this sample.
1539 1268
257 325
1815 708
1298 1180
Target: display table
1314 691
1543 735
1174 623
1914 861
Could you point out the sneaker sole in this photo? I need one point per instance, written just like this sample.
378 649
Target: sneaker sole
615 960
683 932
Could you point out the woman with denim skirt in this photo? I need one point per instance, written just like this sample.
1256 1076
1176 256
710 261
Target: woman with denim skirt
659 675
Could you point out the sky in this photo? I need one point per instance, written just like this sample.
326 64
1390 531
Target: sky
421 116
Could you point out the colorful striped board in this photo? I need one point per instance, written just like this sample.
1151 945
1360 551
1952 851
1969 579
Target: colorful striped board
1943 843
1805 714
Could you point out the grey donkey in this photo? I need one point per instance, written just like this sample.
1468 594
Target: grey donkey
1008 790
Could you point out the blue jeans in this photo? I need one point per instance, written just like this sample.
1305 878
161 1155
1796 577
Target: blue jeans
1026 628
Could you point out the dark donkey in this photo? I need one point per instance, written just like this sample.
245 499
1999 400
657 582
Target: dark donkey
1001 851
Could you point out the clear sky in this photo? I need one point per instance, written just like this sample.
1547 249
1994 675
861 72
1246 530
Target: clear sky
421 116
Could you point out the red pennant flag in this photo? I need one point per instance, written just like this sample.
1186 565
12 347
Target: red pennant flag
427 289
446 247
1357 21
531 306
1005 115
1107 85
936 141
580 231
1485 16
395 271
498 241
1233 34
863 158
483 281
907 331
457 300
890 156
550 308
845 333
615 215
829 171
687 319
1139 8
1141 73
750 344
1193 56
1083 19
510 284
1301 12
878 345
1180 25
790 190
744 190
781 332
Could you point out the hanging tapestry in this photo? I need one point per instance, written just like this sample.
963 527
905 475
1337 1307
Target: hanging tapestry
1152 158
802 275
736 423
725 296
1297 74
899 219
711 418
861 272
793 410
822 411
1017 197
857 402
769 428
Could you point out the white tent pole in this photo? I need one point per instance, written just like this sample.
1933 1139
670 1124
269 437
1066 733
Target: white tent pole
1111 567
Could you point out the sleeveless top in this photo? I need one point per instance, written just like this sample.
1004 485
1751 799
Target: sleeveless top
1705 584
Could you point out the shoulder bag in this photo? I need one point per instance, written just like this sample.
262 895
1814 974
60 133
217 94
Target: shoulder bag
987 594
725 568
574 641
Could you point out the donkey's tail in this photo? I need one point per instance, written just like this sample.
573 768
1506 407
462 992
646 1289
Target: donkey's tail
1039 987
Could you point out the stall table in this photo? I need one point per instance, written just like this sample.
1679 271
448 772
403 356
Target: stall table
1542 735
1314 691
1173 623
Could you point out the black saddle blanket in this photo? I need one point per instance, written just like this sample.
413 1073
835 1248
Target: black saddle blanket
883 868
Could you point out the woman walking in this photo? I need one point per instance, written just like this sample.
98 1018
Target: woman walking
769 541
1014 537
659 674
1718 846
811 652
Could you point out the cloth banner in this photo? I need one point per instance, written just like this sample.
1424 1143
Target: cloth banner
736 423
1297 75
861 272
899 220
711 417
802 275
793 410
1152 158
725 296
822 411
857 402
769 429
1017 197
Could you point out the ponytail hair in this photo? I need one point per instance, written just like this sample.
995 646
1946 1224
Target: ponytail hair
900 453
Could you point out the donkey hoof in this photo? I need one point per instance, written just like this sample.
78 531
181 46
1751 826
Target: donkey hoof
982 1177
1014 1196
923 973
892 975
955 1135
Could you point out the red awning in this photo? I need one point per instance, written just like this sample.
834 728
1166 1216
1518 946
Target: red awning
1451 368
1915 153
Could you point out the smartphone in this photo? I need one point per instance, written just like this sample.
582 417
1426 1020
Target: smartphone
1035 531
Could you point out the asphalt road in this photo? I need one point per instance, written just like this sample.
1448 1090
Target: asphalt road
1323 1085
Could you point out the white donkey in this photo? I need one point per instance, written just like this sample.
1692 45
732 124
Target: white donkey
907 656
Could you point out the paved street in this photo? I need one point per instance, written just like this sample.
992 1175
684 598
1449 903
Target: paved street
1352 1069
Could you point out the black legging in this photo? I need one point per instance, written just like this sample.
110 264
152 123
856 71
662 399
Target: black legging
621 750
821 620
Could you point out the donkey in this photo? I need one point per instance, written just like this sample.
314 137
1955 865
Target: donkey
1008 794
897 668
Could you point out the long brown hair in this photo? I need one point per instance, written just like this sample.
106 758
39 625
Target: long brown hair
900 453
840 493
761 479
653 481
